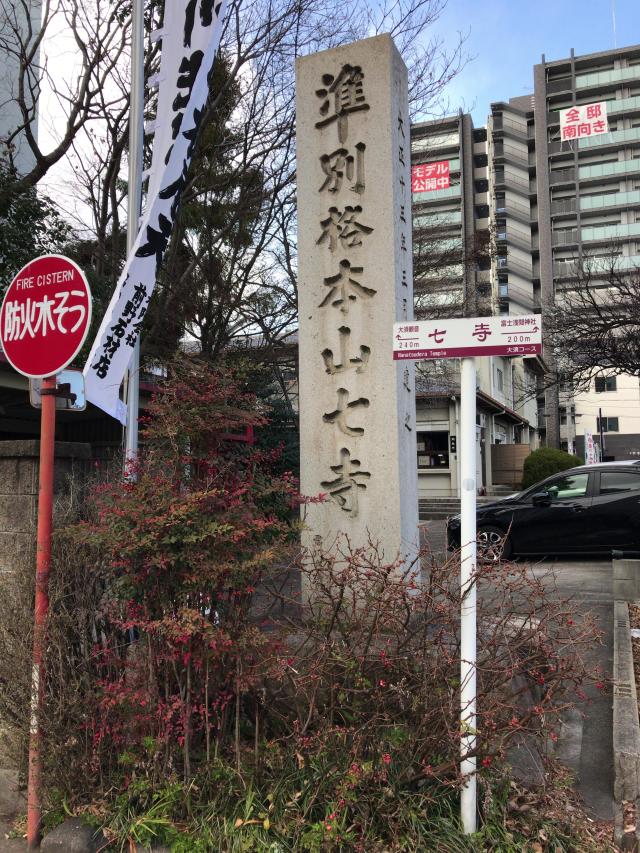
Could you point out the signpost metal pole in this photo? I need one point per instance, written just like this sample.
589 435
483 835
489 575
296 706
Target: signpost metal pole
468 794
464 338
43 563
136 145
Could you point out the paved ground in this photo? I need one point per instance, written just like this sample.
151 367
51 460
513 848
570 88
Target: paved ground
586 743
11 802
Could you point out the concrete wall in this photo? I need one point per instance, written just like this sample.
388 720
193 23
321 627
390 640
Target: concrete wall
19 465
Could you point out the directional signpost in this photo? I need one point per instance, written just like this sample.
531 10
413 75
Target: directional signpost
44 320
466 338
507 336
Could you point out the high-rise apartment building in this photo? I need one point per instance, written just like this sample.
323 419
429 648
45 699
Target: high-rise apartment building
19 24
456 273
507 232
586 208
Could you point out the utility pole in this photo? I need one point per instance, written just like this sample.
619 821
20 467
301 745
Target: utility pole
136 147
601 430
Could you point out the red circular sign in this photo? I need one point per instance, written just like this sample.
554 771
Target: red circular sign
45 316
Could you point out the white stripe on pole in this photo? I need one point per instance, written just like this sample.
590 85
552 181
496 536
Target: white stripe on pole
136 146
468 796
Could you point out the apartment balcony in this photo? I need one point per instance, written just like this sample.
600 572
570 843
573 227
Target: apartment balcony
560 148
521 212
630 263
504 124
434 221
513 292
512 238
435 143
605 78
511 181
561 85
429 278
563 205
509 262
596 264
437 195
614 137
565 238
611 233
562 176
598 202
512 153
623 105
606 170
561 270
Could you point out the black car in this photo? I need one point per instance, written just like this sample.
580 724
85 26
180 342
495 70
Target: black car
586 510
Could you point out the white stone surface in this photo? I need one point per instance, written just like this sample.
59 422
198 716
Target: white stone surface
357 406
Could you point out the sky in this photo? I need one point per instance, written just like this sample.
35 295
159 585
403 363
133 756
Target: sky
506 38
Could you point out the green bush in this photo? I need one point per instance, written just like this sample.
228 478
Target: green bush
544 462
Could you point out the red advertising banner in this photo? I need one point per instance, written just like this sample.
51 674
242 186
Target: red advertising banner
586 120
430 177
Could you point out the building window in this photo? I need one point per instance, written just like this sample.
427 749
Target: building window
480 160
499 380
433 450
606 383
503 290
608 424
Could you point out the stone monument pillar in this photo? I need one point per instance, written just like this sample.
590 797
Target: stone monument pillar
357 405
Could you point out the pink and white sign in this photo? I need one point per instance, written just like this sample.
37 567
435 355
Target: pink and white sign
591 449
434 339
429 177
587 120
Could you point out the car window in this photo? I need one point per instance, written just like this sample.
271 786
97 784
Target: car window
569 487
615 482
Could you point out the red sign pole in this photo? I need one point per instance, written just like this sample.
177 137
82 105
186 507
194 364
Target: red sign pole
43 563
44 320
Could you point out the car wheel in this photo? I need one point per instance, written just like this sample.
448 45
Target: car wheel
493 544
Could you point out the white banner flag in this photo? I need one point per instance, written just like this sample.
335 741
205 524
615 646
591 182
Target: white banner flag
181 23
188 53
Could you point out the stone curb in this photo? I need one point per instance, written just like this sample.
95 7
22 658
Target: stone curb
626 727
